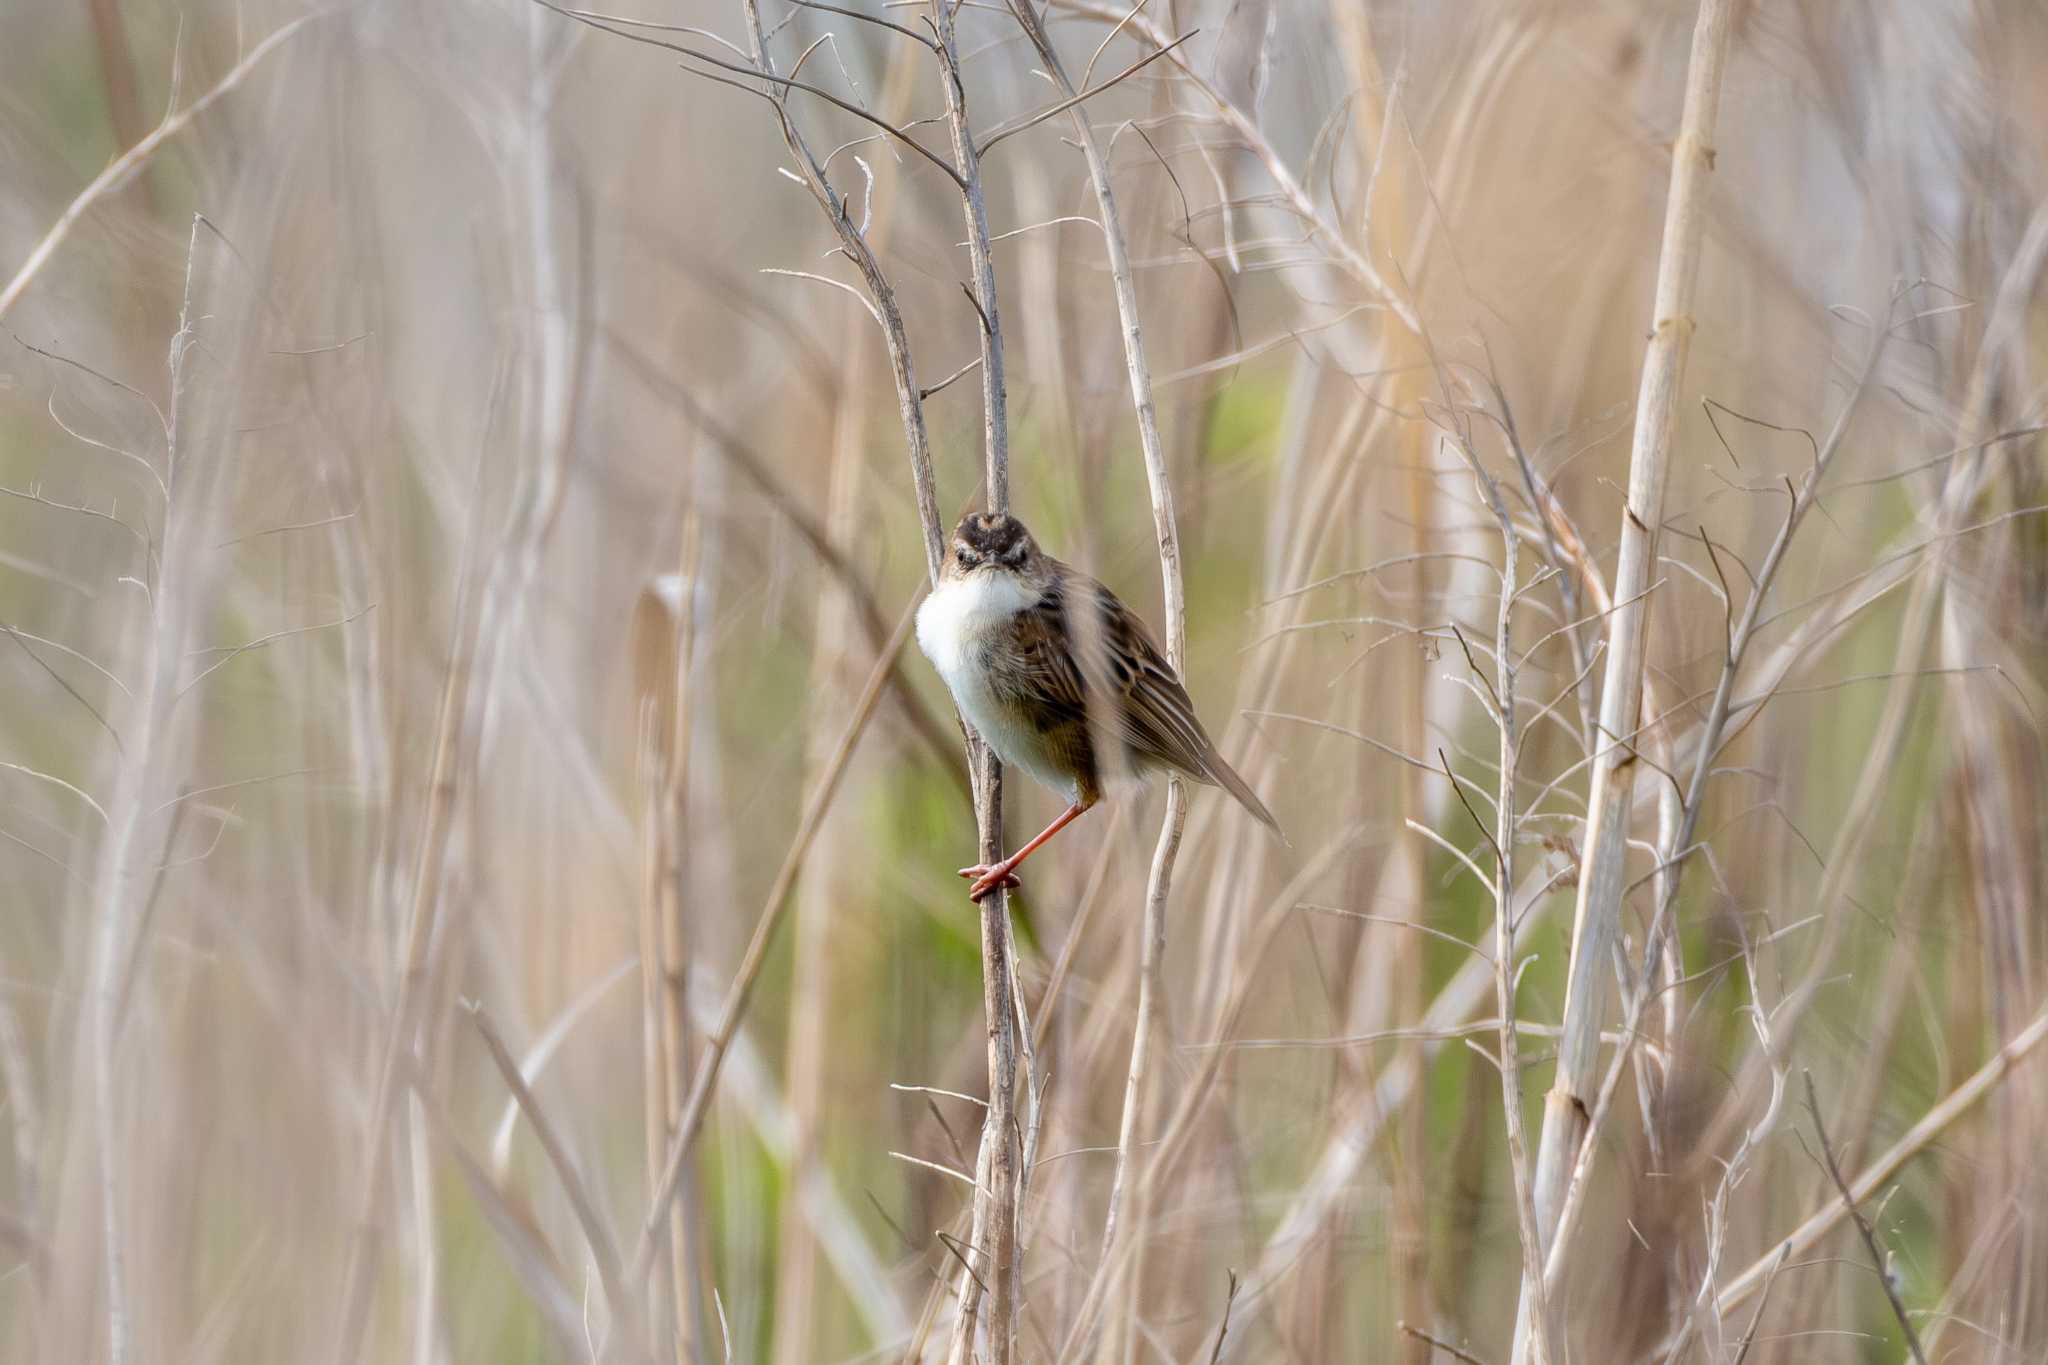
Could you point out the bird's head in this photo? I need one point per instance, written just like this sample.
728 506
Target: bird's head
991 542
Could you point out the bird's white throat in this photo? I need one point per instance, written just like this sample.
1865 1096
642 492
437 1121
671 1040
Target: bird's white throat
955 627
958 617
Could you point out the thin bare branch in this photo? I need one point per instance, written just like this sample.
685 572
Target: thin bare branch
122 168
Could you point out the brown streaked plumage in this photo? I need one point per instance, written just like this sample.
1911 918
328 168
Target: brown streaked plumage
1059 677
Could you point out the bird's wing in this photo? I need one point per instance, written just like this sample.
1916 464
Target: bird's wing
1078 641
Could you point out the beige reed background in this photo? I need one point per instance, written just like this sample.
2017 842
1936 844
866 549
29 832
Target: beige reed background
454 550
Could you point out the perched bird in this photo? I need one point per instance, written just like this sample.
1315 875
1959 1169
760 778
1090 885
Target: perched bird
1059 677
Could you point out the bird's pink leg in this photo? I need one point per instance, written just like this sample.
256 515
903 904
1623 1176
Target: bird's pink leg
987 878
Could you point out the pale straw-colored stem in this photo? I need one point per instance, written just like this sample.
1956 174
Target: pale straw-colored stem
993 1248
1597 923
1674 848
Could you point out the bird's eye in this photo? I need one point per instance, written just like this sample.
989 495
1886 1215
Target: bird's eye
966 559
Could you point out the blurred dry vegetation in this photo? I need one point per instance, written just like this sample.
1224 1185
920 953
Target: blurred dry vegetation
439 564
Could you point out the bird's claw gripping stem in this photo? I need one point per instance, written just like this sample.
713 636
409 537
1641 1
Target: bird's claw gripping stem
987 879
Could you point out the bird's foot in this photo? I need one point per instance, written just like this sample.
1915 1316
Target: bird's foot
987 878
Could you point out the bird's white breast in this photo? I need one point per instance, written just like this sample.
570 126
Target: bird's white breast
961 619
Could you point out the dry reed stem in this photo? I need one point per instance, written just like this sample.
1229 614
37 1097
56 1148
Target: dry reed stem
991 1270
653 1057
1596 923
1676 845
1506 970
1383 205
532 1259
813 971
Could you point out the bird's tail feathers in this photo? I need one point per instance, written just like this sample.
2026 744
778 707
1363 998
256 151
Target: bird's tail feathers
1215 770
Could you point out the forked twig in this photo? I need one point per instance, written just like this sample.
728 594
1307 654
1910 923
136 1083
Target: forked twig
123 167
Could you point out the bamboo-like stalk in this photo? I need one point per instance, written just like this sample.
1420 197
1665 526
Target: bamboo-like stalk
1677 844
1597 921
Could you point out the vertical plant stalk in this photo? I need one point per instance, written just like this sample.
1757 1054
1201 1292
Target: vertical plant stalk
1505 969
1597 923
1676 844
993 1251
839 639
994 414
154 694
910 405
1173 599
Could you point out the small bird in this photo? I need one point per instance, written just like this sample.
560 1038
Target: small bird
1059 677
